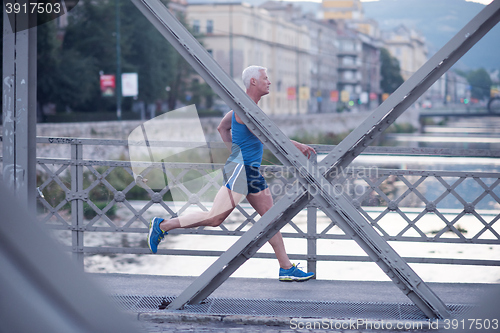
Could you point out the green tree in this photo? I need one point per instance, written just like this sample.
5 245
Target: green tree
78 82
201 91
390 72
181 82
68 70
146 52
480 83
47 63
90 46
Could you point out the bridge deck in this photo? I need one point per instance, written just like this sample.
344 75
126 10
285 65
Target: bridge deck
269 297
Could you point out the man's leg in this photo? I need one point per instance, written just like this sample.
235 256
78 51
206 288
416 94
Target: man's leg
223 205
262 202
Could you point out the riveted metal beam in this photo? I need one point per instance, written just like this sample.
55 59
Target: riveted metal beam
19 106
76 199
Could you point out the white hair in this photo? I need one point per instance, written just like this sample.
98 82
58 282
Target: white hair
251 72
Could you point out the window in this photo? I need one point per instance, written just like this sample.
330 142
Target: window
196 26
210 26
348 75
348 61
347 46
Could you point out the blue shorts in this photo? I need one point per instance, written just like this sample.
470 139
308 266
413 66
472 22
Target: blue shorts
243 179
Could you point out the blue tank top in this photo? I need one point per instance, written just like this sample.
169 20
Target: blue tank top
246 147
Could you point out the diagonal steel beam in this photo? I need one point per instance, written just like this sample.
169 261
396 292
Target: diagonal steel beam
337 208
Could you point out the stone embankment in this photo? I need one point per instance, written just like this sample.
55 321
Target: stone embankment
291 125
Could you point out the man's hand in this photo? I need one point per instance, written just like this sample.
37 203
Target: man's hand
304 149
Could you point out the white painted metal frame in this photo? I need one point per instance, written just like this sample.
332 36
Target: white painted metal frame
316 180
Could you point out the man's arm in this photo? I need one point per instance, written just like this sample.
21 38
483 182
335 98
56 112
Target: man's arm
224 129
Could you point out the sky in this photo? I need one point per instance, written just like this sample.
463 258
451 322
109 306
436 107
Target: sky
484 2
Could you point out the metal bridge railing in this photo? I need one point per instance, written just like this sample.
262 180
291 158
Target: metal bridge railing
81 196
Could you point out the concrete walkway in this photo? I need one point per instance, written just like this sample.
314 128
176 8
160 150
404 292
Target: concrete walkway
313 290
267 289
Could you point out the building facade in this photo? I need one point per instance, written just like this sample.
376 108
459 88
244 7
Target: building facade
239 35
349 57
358 54
358 69
408 46
449 89
324 64
323 55
342 9
370 72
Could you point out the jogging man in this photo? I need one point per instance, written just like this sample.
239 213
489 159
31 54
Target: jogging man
242 178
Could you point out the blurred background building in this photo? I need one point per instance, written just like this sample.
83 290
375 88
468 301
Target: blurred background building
239 35
322 58
408 46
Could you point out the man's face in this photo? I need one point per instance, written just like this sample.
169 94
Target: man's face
263 83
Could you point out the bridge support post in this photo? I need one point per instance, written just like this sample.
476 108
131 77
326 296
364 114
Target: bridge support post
19 107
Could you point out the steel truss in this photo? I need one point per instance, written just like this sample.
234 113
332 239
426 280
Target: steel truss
316 181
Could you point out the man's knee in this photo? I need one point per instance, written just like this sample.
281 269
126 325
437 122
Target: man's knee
215 221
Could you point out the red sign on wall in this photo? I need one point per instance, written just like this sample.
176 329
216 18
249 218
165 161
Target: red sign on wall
108 85
291 93
334 95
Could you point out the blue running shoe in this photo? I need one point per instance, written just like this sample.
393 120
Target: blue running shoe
294 274
155 235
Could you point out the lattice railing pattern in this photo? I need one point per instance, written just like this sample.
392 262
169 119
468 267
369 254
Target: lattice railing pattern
414 196
83 196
